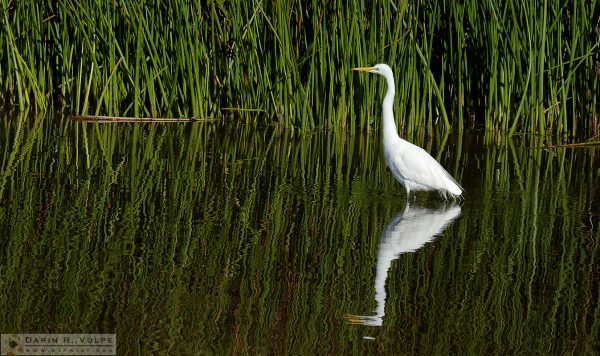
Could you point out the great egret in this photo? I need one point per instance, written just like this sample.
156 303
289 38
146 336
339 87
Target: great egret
411 165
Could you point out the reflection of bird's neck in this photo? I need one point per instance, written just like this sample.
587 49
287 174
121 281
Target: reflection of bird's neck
389 125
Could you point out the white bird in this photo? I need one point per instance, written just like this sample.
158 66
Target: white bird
411 165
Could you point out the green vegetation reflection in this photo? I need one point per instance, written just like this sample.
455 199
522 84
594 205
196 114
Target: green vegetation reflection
203 239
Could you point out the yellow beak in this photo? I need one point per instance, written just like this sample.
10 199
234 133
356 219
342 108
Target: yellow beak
364 69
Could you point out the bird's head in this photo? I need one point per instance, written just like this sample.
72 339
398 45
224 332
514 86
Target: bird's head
381 69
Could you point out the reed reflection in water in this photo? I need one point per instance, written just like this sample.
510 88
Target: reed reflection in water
204 239
409 230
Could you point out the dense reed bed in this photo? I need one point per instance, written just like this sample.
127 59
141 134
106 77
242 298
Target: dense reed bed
512 66
249 241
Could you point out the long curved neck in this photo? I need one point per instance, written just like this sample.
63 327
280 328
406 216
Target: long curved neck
389 125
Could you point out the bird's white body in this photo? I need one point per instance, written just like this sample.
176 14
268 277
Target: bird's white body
401 155
411 165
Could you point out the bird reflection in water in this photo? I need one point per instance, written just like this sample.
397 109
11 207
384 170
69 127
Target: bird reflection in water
408 231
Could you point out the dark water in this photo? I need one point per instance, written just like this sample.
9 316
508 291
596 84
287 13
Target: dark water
197 239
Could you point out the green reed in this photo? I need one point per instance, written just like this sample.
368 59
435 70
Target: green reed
512 67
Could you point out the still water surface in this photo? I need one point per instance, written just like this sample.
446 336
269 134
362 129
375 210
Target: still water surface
198 239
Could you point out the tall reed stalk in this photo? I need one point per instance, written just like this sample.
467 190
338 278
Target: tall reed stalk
511 66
